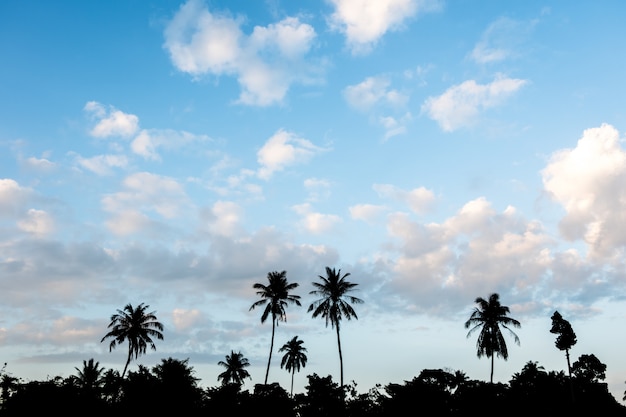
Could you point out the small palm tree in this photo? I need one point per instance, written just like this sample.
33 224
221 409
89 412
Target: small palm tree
275 296
235 372
90 377
334 302
294 357
489 316
135 326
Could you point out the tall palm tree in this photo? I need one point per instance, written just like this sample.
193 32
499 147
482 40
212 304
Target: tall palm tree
334 302
235 372
489 316
275 296
294 357
137 327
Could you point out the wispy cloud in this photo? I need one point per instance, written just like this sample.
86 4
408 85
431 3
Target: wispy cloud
461 105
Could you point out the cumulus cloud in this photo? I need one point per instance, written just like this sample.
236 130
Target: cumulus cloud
266 62
103 164
143 193
282 150
375 96
315 222
364 22
110 121
37 222
588 181
13 197
226 219
185 319
367 212
476 251
419 200
148 141
461 104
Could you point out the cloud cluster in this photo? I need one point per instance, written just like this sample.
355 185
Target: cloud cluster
266 62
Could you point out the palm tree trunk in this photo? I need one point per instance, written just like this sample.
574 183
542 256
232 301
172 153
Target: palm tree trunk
293 371
271 348
130 354
491 368
340 356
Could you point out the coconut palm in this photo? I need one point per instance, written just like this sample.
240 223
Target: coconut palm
294 357
91 376
275 296
135 326
334 302
235 372
488 317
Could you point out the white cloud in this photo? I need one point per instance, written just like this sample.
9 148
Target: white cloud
375 95
148 141
371 91
476 251
143 193
461 104
364 22
37 222
185 319
588 181
39 164
111 122
265 63
420 200
284 149
226 219
501 40
13 197
367 212
103 164
314 222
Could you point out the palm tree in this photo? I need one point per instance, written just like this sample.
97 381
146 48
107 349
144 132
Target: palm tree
334 303
275 296
294 357
489 316
90 377
137 327
235 369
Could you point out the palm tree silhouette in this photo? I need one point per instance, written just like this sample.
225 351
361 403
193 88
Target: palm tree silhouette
91 376
489 316
334 303
275 296
235 372
137 327
294 357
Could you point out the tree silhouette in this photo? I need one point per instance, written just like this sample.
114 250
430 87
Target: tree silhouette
137 327
489 316
334 303
294 357
235 372
275 296
90 377
566 337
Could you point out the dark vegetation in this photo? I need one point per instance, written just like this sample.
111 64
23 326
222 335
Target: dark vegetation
171 387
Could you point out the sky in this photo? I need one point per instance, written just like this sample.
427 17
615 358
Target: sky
174 153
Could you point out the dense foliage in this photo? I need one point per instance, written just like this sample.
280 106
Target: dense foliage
171 385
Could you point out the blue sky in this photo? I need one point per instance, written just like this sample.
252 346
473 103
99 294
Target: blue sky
174 153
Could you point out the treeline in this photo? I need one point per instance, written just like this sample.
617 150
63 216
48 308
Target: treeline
171 388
